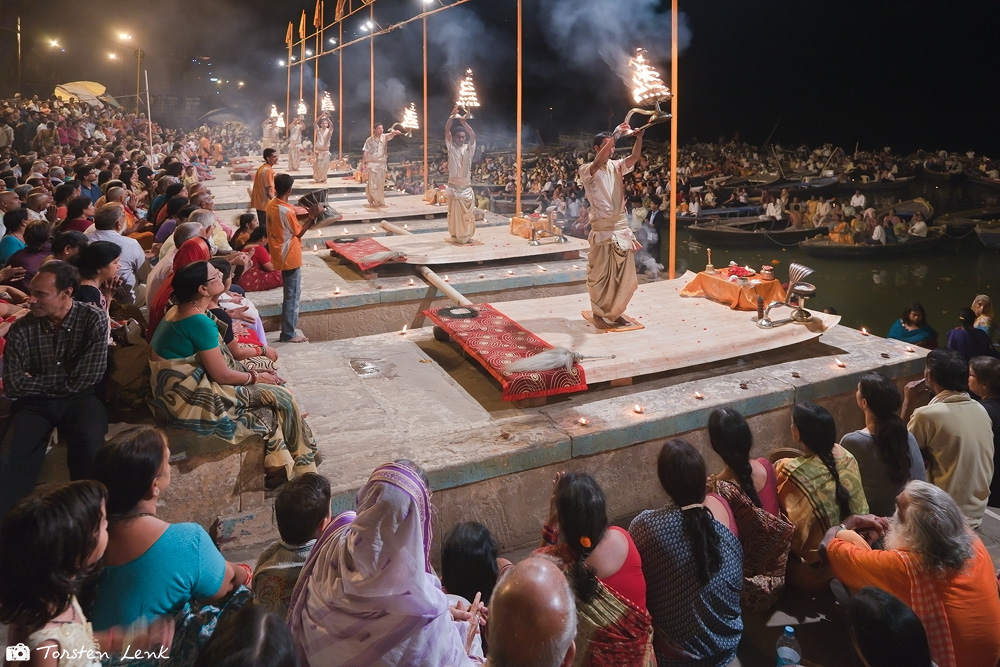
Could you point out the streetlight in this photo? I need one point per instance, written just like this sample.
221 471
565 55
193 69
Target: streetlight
54 43
281 63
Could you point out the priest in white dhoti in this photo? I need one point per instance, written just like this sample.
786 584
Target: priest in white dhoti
461 143
270 135
611 276
321 165
295 143
374 161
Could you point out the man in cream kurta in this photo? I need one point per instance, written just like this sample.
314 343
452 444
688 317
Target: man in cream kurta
954 431
611 278
374 160
462 206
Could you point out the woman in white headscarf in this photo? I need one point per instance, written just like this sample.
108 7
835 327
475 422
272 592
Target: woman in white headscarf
367 595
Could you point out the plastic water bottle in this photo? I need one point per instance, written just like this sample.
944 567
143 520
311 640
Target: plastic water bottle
788 649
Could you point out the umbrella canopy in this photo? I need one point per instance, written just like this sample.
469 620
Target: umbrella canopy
85 91
219 116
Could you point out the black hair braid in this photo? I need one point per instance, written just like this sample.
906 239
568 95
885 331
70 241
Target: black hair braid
744 474
892 441
699 528
843 495
582 577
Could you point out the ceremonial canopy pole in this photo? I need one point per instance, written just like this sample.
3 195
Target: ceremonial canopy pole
371 74
426 119
672 264
517 169
288 63
318 24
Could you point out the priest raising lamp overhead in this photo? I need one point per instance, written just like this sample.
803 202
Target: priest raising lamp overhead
647 89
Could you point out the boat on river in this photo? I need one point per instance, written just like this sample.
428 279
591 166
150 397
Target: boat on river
963 223
979 178
989 237
943 176
858 182
906 209
756 232
913 245
719 214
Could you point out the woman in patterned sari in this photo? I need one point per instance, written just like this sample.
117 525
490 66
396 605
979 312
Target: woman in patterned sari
199 387
605 571
817 491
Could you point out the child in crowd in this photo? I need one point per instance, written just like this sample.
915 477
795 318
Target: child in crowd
302 510
49 547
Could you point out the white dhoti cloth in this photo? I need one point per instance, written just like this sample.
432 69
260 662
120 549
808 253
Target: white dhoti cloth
461 213
293 157
321 166
611 277
375 189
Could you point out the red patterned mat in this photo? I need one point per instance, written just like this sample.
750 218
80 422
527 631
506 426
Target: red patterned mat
495 340
356 251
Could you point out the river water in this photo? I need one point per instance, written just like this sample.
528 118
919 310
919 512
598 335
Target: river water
873 294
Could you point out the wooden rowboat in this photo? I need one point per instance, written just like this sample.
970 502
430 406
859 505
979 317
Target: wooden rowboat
827 249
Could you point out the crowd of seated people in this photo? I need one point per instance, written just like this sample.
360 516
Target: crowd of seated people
103 229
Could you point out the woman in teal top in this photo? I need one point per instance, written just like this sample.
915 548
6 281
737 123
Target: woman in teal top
198 386
151 568
14 222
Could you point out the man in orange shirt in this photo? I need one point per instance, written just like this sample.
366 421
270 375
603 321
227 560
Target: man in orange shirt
284 240
263 185
932 562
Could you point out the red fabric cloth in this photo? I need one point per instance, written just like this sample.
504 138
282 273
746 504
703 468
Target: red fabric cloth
193 250
256 279
629 581
495 340
354 252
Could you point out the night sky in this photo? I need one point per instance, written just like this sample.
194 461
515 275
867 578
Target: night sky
883 72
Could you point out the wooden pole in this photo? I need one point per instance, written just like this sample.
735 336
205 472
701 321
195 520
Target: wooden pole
288 89
319 50
394 229
672 267
446 289
302 71
517 169
371 68
340 96
425 119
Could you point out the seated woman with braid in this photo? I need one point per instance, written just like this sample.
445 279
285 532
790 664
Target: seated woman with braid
817 490
605 571
198 386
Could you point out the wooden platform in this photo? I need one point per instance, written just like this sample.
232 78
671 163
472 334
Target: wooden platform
679 332
495 243
399 207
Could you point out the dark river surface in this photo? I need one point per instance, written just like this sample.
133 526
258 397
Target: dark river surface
873 294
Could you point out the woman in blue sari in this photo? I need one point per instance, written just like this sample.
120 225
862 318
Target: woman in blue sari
912 328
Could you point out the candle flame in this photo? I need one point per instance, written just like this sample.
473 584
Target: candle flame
542 268
864 331
336 290
582 421
840 363
403 332
699 395
510 272
446 277
909 349
315 248
327 103
301 110
637 409
411 281
345 230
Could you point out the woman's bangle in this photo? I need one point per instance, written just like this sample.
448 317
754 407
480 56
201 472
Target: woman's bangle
550 534
263 350
249 570
251 378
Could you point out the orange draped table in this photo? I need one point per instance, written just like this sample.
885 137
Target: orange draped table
738 297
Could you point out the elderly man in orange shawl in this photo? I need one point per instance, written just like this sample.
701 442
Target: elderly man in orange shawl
611 277
934 563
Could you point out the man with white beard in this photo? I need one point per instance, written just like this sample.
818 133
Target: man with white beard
934 563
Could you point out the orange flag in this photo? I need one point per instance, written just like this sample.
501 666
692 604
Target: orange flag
302 25
288 35
318 15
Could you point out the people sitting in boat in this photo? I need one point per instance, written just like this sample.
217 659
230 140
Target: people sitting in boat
743 197
918 226
913 328
810 212
841 232
775 209
709 199
861 229
982 306
766 197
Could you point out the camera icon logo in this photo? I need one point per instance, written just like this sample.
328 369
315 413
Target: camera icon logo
18 653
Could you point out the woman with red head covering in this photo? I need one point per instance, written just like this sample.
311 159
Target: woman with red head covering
192 250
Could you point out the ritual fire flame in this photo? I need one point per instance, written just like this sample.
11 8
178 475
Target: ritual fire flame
274 111
281 120
327 103
467 98
301 109
648 86
648 89
410 120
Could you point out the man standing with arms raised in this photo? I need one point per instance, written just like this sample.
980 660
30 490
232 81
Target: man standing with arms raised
611 278
284 240
263 185
376 154
461 145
